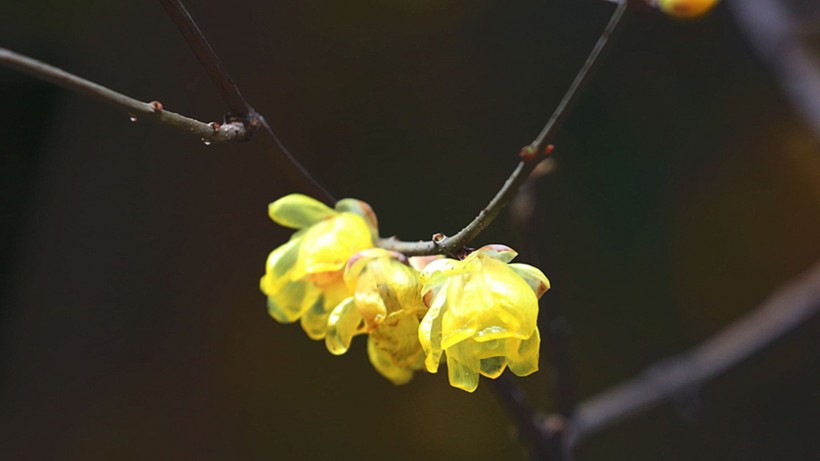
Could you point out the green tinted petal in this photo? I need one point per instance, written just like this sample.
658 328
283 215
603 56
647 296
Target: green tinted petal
362 209
283 259
385 366
463 368
297 211
498 252
492 367
288 303
314 320
522 355
342 325
533 276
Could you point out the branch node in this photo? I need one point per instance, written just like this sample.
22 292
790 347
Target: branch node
528 153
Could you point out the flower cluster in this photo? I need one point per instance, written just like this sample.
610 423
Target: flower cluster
479 313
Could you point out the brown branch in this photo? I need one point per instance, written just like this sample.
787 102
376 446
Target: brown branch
784 311
239 108
138 110
203 51
531 155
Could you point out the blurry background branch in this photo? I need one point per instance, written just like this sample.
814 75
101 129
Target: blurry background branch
783 312
775 34
677 378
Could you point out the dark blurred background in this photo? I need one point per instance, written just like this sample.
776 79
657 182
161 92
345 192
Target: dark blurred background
685 189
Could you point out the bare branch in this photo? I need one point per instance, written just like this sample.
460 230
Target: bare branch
138 110
230 93
239 107
530 155
784 311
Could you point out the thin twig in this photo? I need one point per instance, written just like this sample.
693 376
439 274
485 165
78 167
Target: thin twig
531 156
138 110
239 108
203 51
784 311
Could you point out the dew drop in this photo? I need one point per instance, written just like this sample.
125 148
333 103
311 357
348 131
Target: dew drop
207 142
132 117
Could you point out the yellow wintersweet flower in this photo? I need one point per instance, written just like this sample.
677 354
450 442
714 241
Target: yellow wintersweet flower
386 304
304 277
482 315
686 8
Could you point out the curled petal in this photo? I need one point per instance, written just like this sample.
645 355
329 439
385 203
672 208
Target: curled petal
492 367
533 276
314 320
297 211
290 301
522 355
502 253
420 262
343 323
384 364
430 332
362 209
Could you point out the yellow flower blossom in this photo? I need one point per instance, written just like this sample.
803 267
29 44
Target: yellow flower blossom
686 8
304 277
386 304
482 315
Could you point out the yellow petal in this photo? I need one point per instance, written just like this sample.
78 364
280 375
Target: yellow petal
289 302
281 263
463 368
533 276
522 355
342 325
382 362
297 211
314 320
430 331
492 367
362 209
327 245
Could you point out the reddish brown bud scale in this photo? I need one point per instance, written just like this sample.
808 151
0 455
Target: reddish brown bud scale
527 153
156 106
